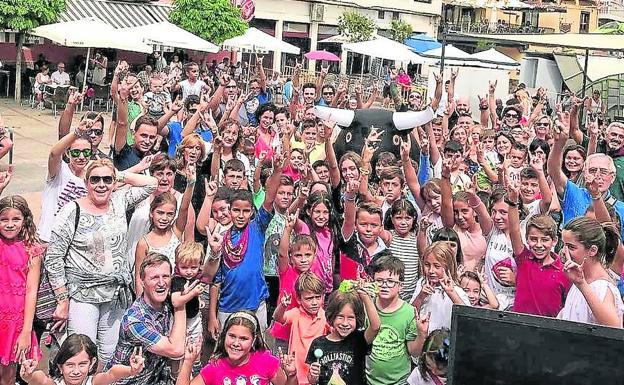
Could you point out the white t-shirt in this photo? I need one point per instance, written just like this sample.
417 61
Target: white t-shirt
499 253
60 78
576 307
191 89
65 187
416 379
532 209
439 304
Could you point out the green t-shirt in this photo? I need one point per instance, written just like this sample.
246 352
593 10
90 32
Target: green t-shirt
258 198
134 110
389 362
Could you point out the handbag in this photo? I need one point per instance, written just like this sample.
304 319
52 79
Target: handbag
46 299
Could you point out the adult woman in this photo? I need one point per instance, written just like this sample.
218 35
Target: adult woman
163 168
265 133
226 147
573 161
191 151
86 258
541 127
41 80
98 74
414 101
503 144
403 79
65 181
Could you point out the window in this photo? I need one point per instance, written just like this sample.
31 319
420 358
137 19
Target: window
381 15
584 23
395 16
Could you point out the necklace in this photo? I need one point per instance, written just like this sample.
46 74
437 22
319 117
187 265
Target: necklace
233 254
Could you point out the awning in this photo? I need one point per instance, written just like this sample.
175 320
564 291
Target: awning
170 35
593 41
254 40
384 48
450 52
494 57
421 43
571 71
118 14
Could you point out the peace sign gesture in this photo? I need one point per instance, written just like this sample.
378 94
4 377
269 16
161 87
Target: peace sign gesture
137 362
215 240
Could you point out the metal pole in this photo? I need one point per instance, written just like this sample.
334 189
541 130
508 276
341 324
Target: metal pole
12 147
585 73
84 82
443 53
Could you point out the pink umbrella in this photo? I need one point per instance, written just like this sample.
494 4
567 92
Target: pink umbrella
321 55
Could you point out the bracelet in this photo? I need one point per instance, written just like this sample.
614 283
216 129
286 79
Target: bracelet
364 171
62 296
190 182
348 199
121 176
510 203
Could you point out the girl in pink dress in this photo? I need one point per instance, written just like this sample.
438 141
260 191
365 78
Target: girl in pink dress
20 268
240 357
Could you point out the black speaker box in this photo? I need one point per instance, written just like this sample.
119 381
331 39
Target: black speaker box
491 347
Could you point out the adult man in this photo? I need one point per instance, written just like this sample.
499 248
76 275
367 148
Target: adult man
152 324
259 96
94 134
60 77
144 136
230 94
144 77
159 62
192 85
599 168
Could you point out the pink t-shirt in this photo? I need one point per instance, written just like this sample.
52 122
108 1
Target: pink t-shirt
262 146
323 264
287 281
540 290
305 328
259 370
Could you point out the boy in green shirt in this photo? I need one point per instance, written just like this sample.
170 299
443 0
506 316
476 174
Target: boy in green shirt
389 362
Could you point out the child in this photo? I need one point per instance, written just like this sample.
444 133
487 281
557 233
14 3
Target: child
20 269
389 361
294 259
541 283
594 298
76 363
320 222
533 182
240 356
234 174
240 249
165 232
361 232
436 291
401 223
307 321
157 98
475 284
189 257
431 195
338 358
517 156
452 166
433 362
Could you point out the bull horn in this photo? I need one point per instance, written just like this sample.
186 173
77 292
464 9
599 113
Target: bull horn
410 119
343 118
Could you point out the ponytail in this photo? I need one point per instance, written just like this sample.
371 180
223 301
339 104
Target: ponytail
612 241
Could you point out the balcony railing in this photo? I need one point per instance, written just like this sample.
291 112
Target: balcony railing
499 28
606 10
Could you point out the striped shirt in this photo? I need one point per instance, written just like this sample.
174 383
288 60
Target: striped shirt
405 249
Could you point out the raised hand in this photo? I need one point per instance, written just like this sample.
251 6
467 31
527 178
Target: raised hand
288 363
291 219
454 74
191 354
215 241
75 97
194 288
27 369
574 271
210 187
447 283
5 177
422 322
537 164
286 299
562 124
353 186
513 191
137 362
492 86
406 146
122 66
447 164
438 77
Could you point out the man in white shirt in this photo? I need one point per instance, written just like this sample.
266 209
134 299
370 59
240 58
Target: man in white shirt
60 77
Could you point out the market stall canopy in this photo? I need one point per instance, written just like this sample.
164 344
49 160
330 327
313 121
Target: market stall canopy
90 32
254 40
384 48
450 52
170 35
420 43
592 41
494 57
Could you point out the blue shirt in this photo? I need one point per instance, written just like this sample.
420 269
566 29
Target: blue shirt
252 105
175 136
576 200
243 287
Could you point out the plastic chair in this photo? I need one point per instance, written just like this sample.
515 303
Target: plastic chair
58 98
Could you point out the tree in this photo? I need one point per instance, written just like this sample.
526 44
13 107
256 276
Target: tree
400 30
21 16
213 20
356 27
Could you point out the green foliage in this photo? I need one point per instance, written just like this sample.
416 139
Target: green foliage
213 20
483 45
356 27
400 30
23 15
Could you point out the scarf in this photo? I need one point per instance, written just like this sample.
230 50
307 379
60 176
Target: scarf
233 255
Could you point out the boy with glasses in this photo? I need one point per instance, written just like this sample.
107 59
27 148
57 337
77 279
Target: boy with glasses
389 360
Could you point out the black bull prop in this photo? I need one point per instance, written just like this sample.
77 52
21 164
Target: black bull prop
356 126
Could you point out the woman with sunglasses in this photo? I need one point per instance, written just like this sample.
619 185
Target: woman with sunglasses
86 258
65 182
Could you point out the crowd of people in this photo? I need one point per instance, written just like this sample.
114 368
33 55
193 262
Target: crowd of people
219 216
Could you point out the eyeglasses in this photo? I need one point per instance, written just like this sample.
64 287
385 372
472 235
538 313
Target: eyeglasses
86 152
542 124
96 132
599 171
95 179
389 283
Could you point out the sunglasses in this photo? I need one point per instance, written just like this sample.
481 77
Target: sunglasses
75 153
542 124
96 132
95 179
508 115
415 97
328 93
230 86
192 110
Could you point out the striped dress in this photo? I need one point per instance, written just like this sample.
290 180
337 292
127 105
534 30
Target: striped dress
405 249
